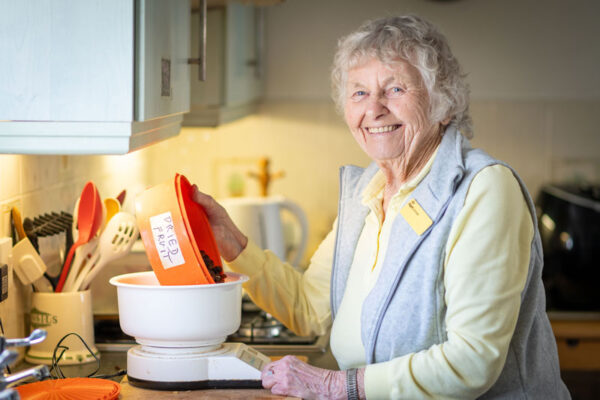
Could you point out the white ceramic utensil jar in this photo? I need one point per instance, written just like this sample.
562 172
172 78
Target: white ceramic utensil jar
60 314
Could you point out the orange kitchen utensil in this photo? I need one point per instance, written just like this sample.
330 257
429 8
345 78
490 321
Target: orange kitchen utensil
81 254
70 388
112 207
18 223
175 233
89 220
82 257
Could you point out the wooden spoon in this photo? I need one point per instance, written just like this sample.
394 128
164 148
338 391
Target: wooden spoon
18 224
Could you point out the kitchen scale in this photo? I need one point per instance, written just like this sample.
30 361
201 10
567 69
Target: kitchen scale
229 365
181 338
181 313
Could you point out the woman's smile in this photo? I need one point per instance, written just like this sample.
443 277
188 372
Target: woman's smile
387 111
383 129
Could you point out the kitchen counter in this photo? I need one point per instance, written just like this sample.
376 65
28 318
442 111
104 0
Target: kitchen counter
129 392
111 362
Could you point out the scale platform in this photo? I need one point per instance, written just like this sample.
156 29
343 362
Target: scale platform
227 365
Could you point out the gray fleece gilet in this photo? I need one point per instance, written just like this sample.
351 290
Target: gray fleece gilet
405 311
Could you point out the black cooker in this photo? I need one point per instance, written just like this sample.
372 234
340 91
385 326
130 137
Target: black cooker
569 222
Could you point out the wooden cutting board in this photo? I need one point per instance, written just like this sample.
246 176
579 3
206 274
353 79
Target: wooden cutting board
129 392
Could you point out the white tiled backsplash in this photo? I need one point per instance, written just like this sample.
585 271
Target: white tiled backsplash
543 140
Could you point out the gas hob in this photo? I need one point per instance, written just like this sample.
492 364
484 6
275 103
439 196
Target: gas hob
261 328
258 330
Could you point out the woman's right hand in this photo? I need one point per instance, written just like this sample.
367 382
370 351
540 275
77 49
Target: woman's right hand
230 240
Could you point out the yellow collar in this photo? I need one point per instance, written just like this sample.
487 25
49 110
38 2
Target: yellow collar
373 192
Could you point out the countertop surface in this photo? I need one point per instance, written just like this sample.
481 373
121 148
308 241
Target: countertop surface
113 362
129 392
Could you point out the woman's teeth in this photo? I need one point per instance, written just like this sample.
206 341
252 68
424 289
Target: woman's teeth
383 129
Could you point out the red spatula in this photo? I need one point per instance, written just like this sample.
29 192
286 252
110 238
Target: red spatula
89 220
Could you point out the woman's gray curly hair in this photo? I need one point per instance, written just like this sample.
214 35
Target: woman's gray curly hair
419 42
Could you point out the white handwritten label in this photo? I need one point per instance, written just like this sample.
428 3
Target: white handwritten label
165 240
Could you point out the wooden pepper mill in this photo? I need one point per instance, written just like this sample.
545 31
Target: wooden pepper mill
264 176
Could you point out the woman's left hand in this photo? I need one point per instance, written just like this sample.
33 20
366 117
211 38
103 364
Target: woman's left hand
292 377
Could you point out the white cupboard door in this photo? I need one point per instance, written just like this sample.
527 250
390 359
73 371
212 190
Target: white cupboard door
243 58
66 60
163 49
209 93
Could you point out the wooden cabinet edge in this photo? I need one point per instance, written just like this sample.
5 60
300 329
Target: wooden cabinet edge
576 329
578 344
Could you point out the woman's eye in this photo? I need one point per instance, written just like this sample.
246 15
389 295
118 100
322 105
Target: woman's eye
359 93
396 90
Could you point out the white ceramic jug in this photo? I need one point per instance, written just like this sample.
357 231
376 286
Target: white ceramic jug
259 218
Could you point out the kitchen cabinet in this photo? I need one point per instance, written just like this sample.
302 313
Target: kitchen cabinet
92 76
578 343
234 64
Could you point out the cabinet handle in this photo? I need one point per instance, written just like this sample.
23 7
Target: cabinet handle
201 60
260 43
259 47
572 342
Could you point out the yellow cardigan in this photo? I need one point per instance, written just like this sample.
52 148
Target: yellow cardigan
499 241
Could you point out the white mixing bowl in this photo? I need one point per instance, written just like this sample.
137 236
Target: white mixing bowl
178 316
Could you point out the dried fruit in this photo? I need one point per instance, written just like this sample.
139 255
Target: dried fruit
215 271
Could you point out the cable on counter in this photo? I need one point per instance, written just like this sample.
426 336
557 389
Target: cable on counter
55 370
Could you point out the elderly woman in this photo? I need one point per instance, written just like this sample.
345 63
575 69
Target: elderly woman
431 277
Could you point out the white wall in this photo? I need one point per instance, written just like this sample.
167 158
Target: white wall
511 49
532 66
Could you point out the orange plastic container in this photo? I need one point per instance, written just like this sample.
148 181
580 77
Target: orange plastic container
70 388
175 232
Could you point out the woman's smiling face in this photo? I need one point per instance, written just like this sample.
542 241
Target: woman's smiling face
387 110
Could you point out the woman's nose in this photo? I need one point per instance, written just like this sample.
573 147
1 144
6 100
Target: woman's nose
377 106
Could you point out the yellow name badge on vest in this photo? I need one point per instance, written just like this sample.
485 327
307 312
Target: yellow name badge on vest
416 217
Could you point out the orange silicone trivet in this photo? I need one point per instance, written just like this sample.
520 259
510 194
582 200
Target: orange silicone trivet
70 388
